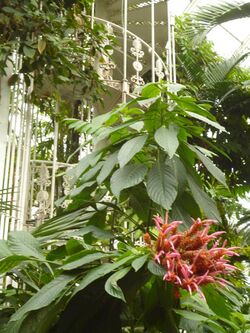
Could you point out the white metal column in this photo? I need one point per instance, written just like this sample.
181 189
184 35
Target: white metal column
169 44
4 120
153 39
125 50
54 165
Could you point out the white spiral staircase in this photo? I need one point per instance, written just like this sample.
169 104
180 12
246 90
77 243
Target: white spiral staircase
144 52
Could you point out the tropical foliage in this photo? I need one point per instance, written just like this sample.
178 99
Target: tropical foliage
101 265
224 84
54 43
76 259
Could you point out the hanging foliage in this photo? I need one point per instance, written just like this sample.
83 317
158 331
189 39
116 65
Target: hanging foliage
55 42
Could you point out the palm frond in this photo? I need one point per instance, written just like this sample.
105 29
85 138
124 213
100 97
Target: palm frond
241 191
244 227
208 16
218 71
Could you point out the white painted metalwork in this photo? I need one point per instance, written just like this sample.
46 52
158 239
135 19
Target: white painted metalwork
54 165
169 44
172 27
125 88
153 39
4 116
32 184
136 51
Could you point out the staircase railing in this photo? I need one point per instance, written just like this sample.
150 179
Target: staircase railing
128 65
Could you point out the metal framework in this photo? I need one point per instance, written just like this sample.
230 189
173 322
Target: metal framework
30 184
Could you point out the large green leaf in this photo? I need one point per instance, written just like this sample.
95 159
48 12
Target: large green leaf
107 168
41 321
89 160
76 191
211 167
214 327
153 116
206 120
181 174
185 208
111 285
128 176
101 271
191 315
57 225
91 173
4 249
138 263
156 269
24 244
130 148
83 258
42 298
162 184
231 294
107 131
167 138
95 231
6 264
139 201
151 90
217 303
203 199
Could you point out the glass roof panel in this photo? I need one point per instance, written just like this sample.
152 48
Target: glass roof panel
227 38
224 43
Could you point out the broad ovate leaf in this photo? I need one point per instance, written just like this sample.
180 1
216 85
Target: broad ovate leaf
78 260
204 201
162 184
167 138
138 263
130 148
206 120
156 269
45 296
22 243
111 285
8 263
100 271
107 168
211 167
4 249
129 175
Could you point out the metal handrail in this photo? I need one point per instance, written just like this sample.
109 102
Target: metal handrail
130 33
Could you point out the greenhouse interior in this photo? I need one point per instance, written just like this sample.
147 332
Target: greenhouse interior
124 166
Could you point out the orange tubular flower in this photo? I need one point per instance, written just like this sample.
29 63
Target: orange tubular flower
192 258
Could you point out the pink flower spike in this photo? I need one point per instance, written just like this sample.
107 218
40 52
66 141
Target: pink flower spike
189 289
157 256
172 245
185 271
208 222
205 231
216 244
188 260
233 248
158 222
231 267
188 269
218 233
223 282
